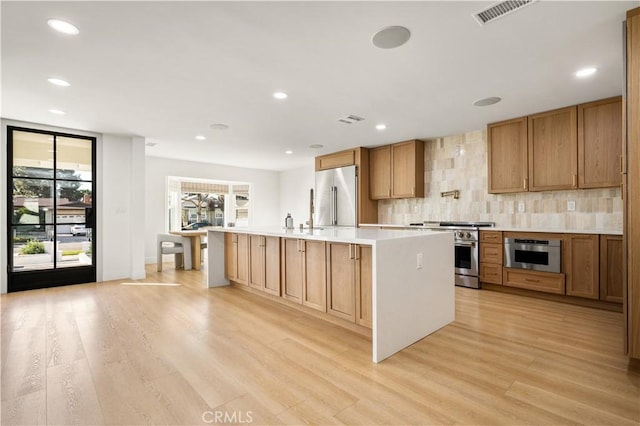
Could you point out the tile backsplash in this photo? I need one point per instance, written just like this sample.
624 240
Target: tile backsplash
460 162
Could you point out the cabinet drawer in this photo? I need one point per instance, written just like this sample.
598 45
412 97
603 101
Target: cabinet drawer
491 237
339 159
534 280
490 273
491 253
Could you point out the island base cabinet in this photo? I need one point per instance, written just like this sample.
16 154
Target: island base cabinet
534 280
303 272
364 287
349 282
236 250
264 264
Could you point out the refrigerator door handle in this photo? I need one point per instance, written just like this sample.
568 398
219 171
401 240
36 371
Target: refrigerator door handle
335 205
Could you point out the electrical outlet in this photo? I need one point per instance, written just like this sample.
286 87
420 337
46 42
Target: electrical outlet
419 261
571 206
521 207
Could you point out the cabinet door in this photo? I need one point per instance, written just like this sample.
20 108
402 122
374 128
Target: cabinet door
335 160
272 265
256 262
341 289
611 268
599 143
364 282
407 169
314 287
243 259
582 265
291 270
507 156
230 256
380 174
553 147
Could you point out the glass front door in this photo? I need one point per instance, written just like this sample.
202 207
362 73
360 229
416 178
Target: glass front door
51 224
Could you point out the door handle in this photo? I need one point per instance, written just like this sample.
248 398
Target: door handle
335 205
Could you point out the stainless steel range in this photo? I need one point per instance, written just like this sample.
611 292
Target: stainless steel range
467 252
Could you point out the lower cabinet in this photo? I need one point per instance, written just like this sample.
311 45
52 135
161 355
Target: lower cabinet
611 268
304 272
236 250
491 255
349 281
534 280
264 264
581 253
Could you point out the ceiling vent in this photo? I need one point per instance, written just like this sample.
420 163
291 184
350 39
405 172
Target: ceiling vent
150 144
499 10
350 119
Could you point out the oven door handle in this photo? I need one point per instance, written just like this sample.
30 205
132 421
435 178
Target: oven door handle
467 244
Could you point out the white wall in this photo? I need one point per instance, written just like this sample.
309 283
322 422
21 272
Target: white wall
119 212
294 193
120 199
265 194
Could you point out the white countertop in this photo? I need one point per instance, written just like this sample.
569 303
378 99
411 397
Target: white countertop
508 228
337 234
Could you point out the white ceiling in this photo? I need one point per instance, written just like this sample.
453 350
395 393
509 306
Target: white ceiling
167 70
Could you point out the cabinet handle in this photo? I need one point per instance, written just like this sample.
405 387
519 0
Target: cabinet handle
298 245
531 280
524 184
574 180
350 251
356 252
302 246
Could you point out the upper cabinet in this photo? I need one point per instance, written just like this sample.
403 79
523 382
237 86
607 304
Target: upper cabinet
380 178
397 171
553 144
335 160
599 143
567 148
507 156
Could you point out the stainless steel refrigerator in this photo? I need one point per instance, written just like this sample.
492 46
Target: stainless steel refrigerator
336 197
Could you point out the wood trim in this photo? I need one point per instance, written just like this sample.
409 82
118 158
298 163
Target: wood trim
535 235
336 159
367 208
633 12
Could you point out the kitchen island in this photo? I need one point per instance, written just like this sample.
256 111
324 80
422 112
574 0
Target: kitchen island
411 275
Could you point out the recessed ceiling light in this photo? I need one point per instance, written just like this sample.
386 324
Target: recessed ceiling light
63 27
288 152
57 111
219 126
58 82
391 37
316 146
586 72
200 138
381 126
487 101
280 95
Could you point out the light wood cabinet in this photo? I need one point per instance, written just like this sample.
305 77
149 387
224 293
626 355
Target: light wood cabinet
291 270
264 264
380 180
581 254
349 281
534 280
507 156
314 285
599 143
364 284
631 189
303 272
611 268
407 169
552 148
397 171
236 247
336 159
491 257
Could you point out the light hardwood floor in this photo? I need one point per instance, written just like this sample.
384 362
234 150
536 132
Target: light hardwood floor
119 354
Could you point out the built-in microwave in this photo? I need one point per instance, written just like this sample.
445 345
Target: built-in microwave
537 255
